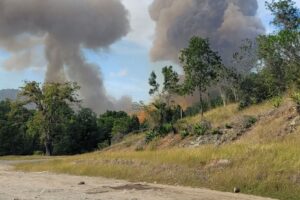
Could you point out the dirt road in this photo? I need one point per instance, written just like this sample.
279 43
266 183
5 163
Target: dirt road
49 186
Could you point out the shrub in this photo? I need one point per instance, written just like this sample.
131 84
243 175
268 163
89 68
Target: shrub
202 128
256 88
184 134
216 131
151 135
249 121
165 129
277 101
296 99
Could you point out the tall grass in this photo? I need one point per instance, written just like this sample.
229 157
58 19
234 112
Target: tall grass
267 169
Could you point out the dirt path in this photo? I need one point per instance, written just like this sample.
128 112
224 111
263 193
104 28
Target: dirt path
48 186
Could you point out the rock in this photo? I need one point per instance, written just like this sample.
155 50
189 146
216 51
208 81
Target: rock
219 163
81 183
236 190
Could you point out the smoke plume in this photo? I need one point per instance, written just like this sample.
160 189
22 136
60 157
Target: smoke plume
63 28
225 22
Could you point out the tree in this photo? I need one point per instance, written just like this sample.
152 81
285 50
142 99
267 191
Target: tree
170 84
13 137
201 66
153 83
286 14
280 51
162 111
114 124
49 99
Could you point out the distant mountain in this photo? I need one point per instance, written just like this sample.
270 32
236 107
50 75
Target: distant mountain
8 94
12 94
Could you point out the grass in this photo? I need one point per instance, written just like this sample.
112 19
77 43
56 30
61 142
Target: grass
13 158
222 115
261 163
268 170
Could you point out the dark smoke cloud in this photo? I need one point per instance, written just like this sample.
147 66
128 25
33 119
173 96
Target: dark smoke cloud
225 22
64 27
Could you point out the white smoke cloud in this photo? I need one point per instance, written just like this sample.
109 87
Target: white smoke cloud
64 27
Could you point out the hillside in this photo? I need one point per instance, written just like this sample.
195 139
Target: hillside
8 94
261 158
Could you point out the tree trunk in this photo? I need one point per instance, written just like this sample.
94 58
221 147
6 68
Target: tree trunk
181 113
208 100
236 98
223 96
48 148
201 102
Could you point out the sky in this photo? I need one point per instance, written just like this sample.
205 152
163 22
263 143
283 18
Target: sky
126 64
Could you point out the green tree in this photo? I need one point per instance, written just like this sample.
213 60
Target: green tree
201 66
49 99
286 14
280 51
170 84
162 111
13 137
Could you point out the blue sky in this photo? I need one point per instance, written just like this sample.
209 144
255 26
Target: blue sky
126 65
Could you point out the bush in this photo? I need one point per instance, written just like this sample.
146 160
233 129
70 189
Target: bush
184 134
249 121
216 131
256 88
277 101
165 129
202 128
151 135
296 98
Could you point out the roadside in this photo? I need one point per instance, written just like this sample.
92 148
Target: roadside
48 186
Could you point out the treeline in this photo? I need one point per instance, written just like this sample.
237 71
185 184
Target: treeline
263 68
58 126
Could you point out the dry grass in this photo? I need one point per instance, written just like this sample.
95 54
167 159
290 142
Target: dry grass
22 157
268 170
222 115
260 163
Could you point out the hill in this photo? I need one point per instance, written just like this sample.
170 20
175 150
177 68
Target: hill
8 94
259 156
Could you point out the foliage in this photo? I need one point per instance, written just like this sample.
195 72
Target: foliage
201 66
206 106
249 121
51 99
202 128
13 137
296 98
277 101
184 134
114 123
255 88
150 136
286 14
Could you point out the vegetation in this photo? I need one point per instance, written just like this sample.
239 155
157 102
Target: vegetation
54 127
201 66
261 164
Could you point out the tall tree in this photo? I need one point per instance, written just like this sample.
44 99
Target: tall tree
49 99
286 14
201 66
170 84
280 50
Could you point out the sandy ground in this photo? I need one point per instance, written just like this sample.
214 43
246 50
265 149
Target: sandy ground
49 186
